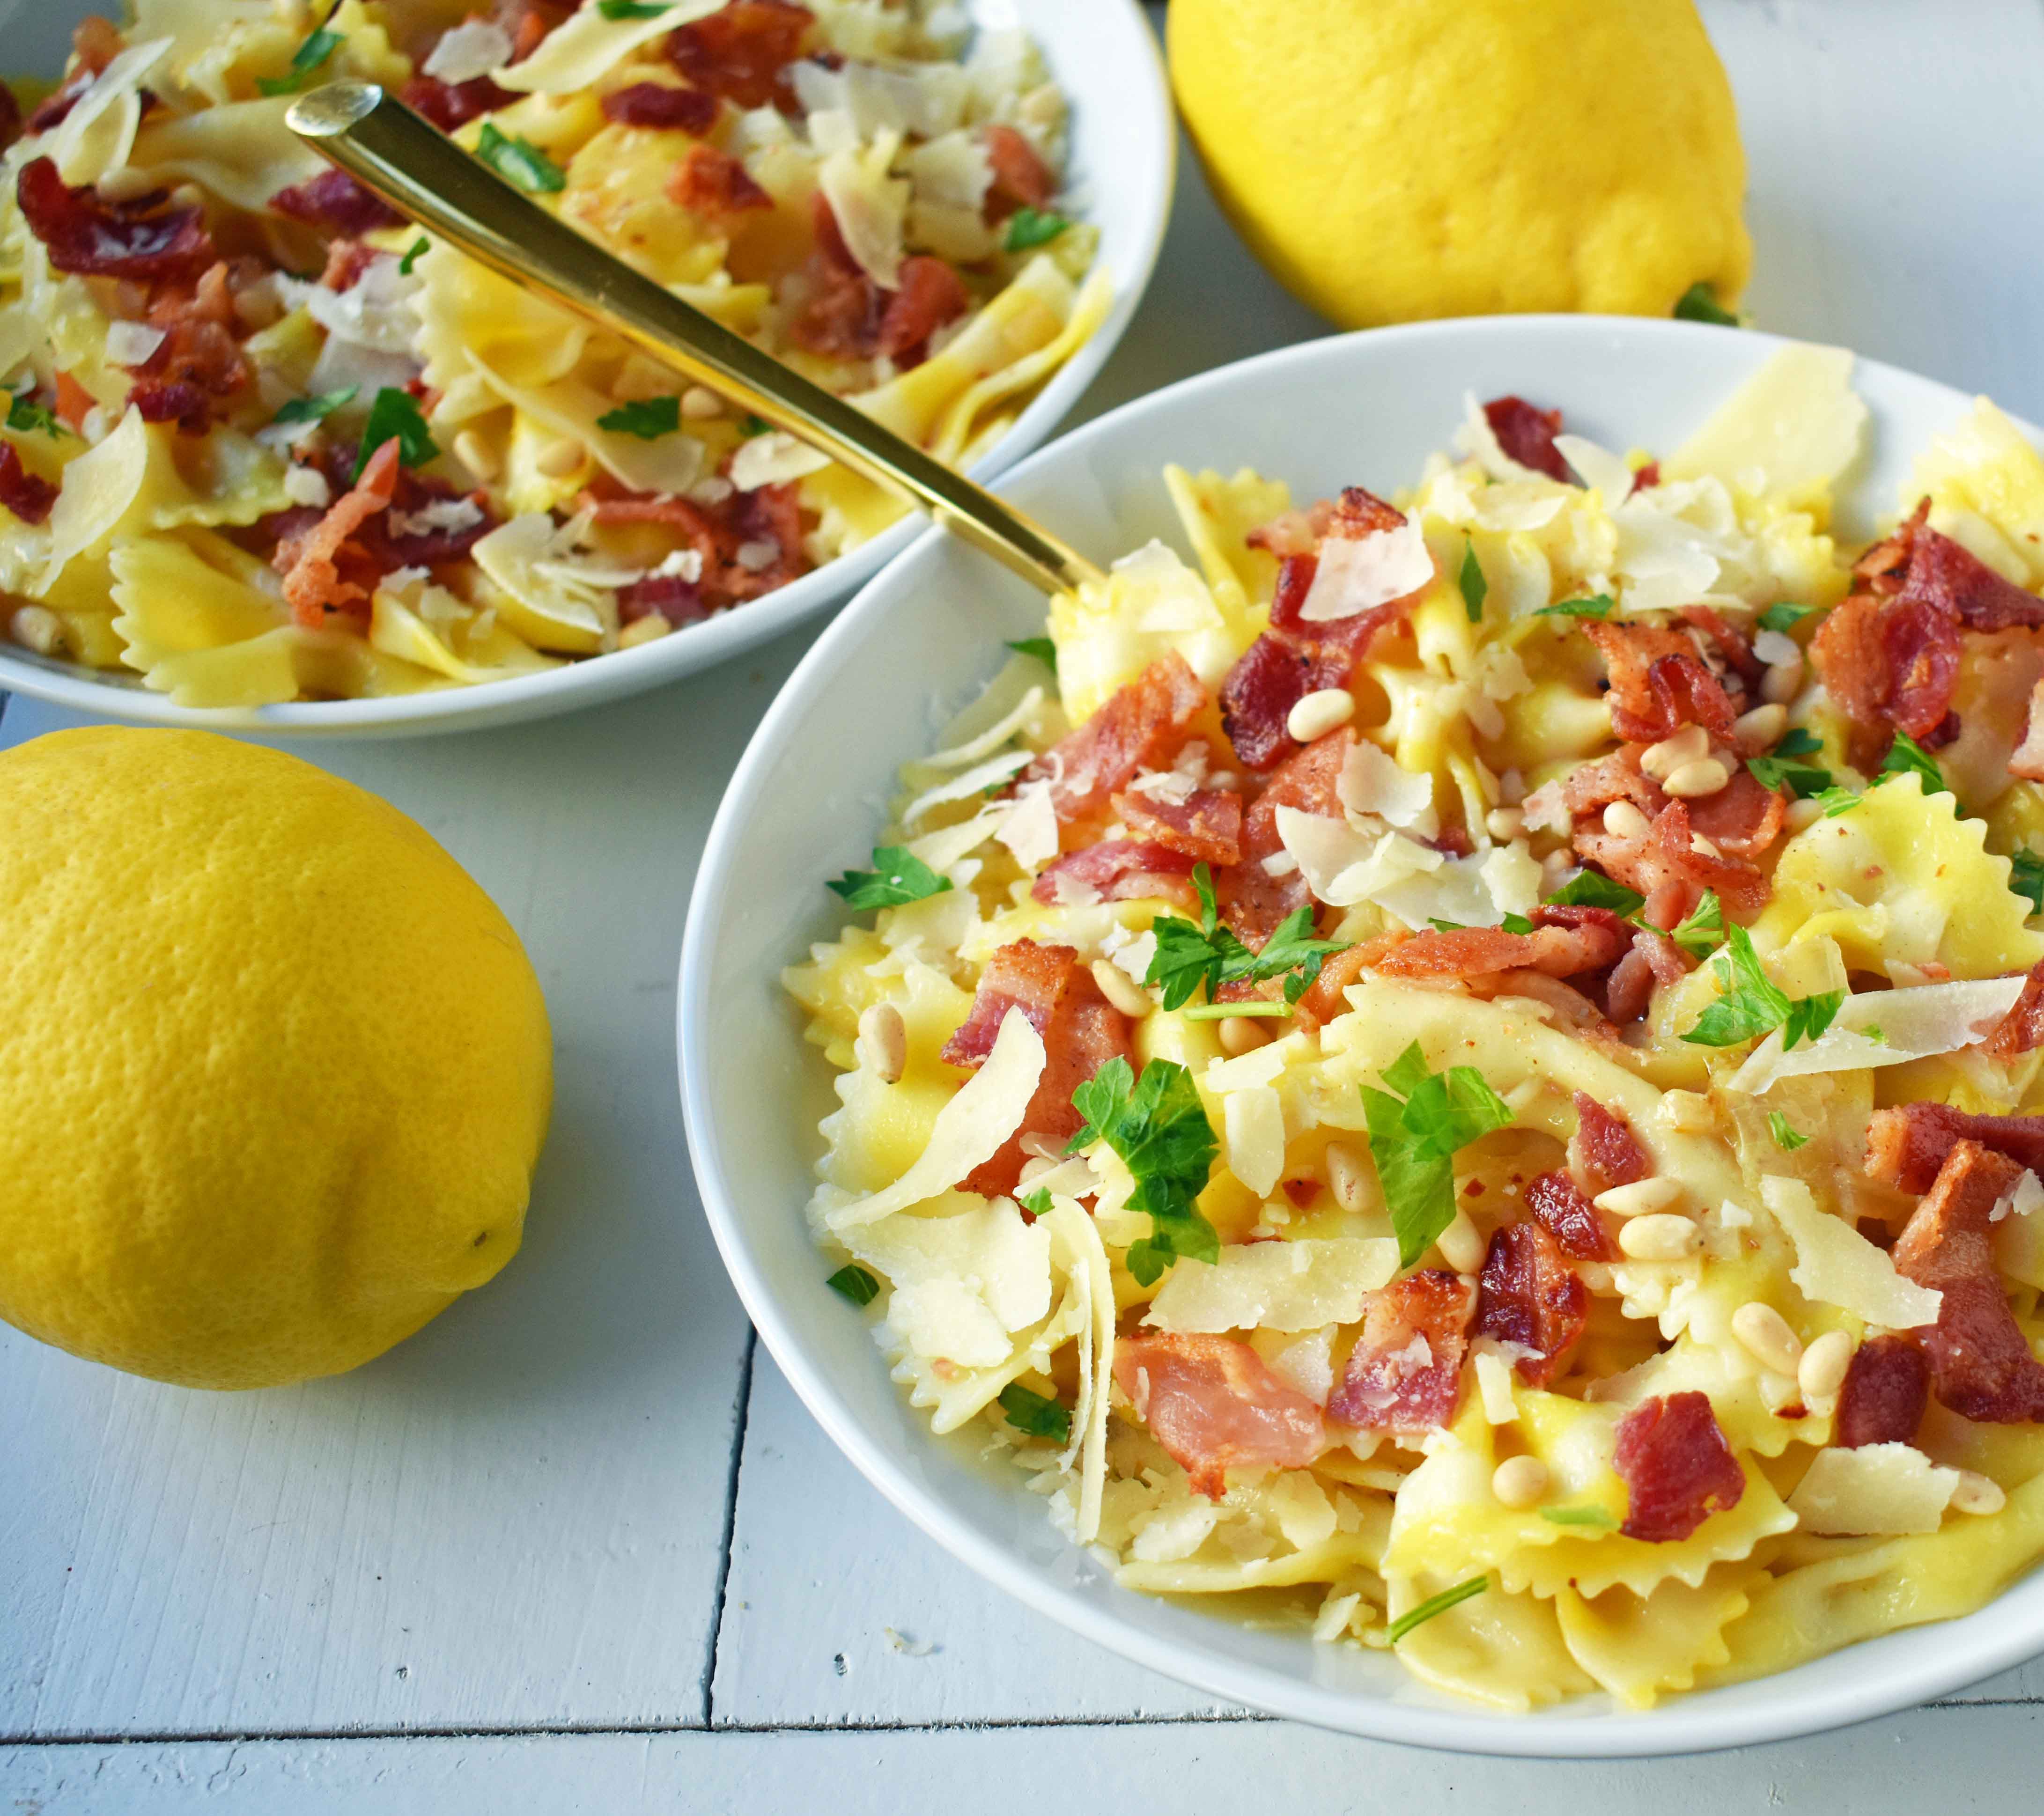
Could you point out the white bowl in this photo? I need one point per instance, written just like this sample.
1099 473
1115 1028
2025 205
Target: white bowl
1123 150
809 793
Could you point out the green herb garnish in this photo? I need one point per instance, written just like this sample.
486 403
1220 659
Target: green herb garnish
1578 1516
1591 888
1037 1202
1475 588
1034 1415
854 1283
1597 605
315 409
1516 923
1030 226
412 253
1414 1141
1907 757
1187 955
755 425
1158 1127
1752 1004
1835 800
648 418
1785 1137
395 415
519 162
897 875
1435 1605
1698 304
29 416
1785 617
634 9
1704 932
1042 648
1783 766
2026 878
317 48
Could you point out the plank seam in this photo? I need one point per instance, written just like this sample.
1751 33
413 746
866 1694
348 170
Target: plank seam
741 1417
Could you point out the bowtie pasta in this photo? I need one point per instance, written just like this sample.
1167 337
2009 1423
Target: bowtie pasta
267 442
1468 1065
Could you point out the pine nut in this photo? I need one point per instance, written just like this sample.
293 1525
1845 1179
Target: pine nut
1766 1336
1822 1371
1704 847
1688 1112
1520 1482
1122 991
1760 729
1687 745
1462 1245
1316 714
1345 1177
560 458
1660 1237
477 455
1777 647
1623 820
699 401
1803 813
1978 1494
1693 781
1782 682
885 1037
37 627
1243 1034
1504 824
1657 1192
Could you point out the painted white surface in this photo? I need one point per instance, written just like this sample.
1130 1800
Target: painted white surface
540 1477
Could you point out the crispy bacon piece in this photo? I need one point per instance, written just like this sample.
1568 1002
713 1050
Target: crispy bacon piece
322 569
771 514
1253 901
1907 1147
95 43
661 106
120 239
847 316
29 496
741 53
1206 825
1564 943
930 294
1323 999
1674 1459
165 401
1919 562
678 600
1659 682
1742 819
1270 678
1116 869
1215 1406
1081 1032
715 183
1139 726
2022 1030
198 361
1527 435
1405 1372
1887 1386
1021 179
1529 1295
334 199
1980 1363
1604 1151
1653 959
450 105
1574 1222
1591 787
1667 868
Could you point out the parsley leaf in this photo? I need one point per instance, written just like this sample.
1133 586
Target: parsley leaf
1783 766
1038 1417
1591 888
1037 1202
898 876
1042 648
317 48
315 409
1435 1605
855 1284
1808 1016
1475 588
1030 226
1516 923
1597 605
1157 1125
2025 877
755 425
1413 1143
1835 801
1697 304
395 415
23 413
1907 756
1577 1516
519 162
1187 956
1786 617
648 418
1752 1004
1441 926
1878 1035
633 8
1704 931
1785 1137
412 253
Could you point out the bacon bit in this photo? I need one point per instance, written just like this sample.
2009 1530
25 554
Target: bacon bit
1907 1147
1886 1388
334 199
741 53
1659 682
1919 562
124 239
1570 1219
1253 901
1271 678
664 595
1646 479
1134 729
1323 999
26 494
1021 179
1117 869
198 361
312 564
2022 1030
1591 787
1529 1295
95 43
451 105
1206 825
1667 869
1214 1405
1604 1151
158 401
1653 958
1877 1231
715 183
1743 818
1297 531
1980 1363
348 262
930 294
1732 644
661 106
1405 1372
1674 1459
772 513
1565 942
1024 976
1527 435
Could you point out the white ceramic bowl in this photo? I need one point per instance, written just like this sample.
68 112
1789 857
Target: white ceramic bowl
808 795
1102 53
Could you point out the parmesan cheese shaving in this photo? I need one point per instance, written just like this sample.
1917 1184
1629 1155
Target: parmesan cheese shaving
1597 467
465 52
97 135
1358 573
1343 866
1493 1383
772 460
1838 1266
99 486
1277 1286
1079 1250
870 206
1913 1023
1021 716
574 55
1372 781
1253 1129
1030 829
1876 1488
974 781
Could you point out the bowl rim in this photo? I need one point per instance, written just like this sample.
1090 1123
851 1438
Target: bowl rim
116 694
1947 1654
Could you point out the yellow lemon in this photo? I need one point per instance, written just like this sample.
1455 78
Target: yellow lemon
1395 159
275 1071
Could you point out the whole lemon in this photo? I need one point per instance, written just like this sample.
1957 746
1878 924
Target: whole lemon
1391 160
274 1070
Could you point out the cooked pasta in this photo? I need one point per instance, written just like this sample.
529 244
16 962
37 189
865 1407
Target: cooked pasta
1471 1063
227 359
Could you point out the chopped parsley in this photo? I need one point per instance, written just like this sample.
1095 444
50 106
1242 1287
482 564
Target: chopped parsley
1440 926
1752 1004
1697 303
2025 877
1034 1415
1030 226
1435 1605
1835 800
897 875
317 48
633 8
1188 956
755 425
1037 1202
1906 757
1785 1137
1783 766
854 1283
519 162
1591 888
316 409
1785 617
1577 1516
1474 587
1875 1033
1414 1138
395 415
1042 648
1597 605
413 253
1158 1127
1704 931
648 418
1516 923
26 415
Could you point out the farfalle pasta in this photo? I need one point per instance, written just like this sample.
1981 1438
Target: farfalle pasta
1468 1062
226 359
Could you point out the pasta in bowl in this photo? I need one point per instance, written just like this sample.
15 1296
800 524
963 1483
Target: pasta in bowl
1449 1064
275 454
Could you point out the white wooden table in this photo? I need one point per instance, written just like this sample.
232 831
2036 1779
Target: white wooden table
576 1546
